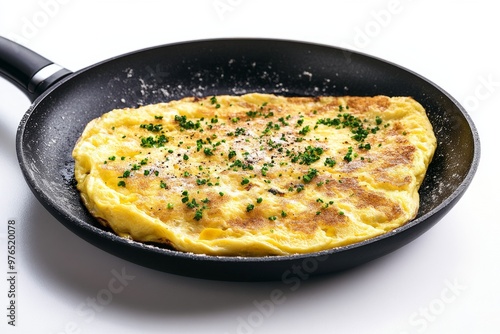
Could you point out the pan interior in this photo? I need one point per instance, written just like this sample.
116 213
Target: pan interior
52 126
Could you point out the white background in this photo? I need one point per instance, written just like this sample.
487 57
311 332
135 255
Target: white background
447 281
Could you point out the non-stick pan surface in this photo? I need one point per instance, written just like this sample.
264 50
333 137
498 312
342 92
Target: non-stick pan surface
57 117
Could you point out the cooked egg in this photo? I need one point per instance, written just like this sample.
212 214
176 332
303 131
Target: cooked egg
257 174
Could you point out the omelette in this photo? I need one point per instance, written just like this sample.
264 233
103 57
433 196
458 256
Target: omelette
257 174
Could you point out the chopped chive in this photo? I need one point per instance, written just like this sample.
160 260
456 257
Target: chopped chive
199 214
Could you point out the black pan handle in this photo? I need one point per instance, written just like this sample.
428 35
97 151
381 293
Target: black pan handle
27 69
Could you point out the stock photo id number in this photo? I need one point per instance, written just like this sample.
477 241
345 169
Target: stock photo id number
11 273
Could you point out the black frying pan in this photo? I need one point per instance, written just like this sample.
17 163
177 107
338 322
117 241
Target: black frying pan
63 103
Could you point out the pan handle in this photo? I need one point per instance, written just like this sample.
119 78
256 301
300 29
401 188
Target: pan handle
28 70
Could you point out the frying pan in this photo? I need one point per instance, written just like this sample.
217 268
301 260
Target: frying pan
64 102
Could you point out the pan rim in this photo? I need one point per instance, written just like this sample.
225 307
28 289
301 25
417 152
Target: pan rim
79 224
